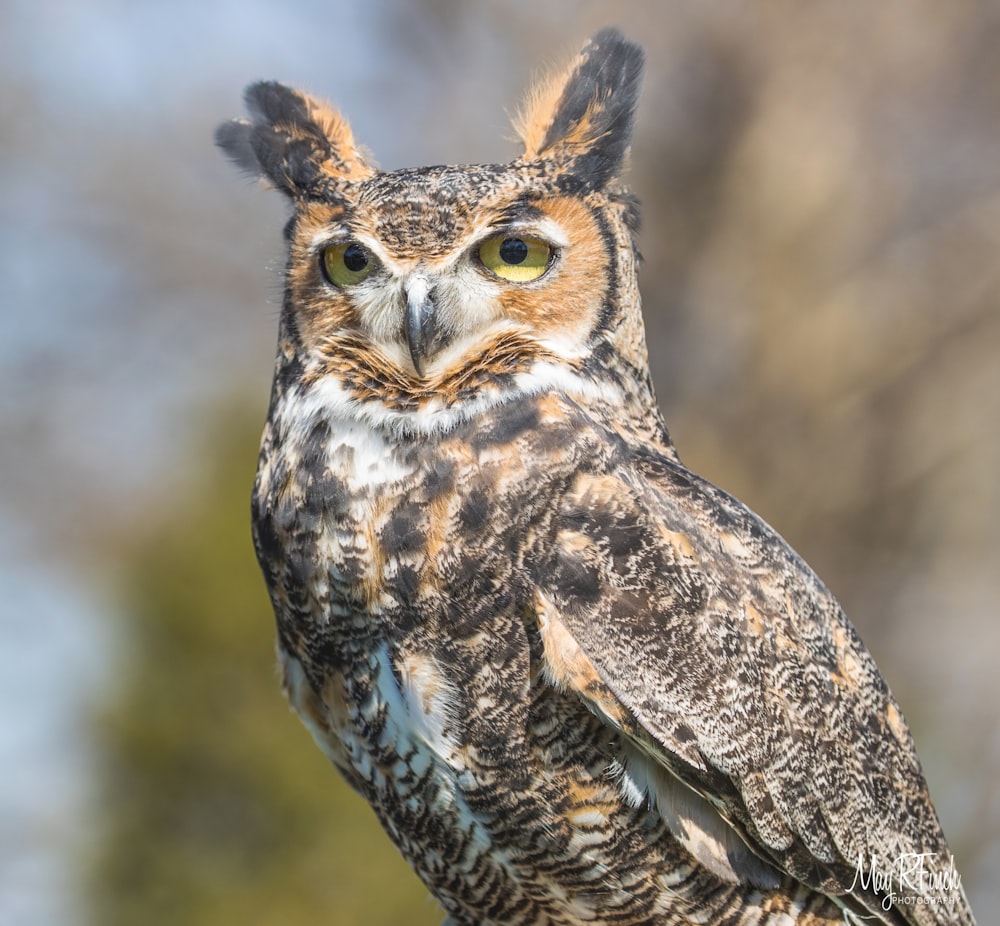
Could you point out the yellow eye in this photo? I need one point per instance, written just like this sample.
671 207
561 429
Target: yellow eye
346 264
519 260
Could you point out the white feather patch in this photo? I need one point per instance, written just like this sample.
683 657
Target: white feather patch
693 820
301 697
430 698
330 401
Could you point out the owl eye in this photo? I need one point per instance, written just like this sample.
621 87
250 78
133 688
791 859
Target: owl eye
346 264
519 260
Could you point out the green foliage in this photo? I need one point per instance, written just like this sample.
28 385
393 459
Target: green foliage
217 807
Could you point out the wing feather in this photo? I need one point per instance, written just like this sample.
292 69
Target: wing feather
697 631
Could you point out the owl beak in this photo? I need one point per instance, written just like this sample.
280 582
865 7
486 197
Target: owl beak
422 333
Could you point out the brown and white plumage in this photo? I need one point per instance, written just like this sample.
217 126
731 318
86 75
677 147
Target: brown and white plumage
576 682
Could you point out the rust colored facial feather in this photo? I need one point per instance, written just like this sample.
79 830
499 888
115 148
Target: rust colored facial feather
371 376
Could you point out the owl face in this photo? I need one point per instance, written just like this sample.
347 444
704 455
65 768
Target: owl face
442 285
403 264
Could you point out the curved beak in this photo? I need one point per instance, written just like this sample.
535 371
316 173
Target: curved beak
422 333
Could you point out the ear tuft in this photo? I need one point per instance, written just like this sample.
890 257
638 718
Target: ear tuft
581 119
303 146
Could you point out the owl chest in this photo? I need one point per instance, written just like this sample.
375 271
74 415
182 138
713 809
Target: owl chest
401 616
368 536
326 518
349 510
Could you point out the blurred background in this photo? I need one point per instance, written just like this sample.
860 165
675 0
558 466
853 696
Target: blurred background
821 190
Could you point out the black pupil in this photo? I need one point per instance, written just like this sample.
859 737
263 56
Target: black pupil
355 258
513 251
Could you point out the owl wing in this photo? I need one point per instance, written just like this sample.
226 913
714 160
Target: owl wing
751 712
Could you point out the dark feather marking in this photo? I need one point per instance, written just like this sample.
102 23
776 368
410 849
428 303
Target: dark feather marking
440 480
407 585
509 423
474 514
405 530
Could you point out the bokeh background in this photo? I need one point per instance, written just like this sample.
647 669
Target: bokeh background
821 189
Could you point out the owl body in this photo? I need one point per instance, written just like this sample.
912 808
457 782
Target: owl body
577 683
440 697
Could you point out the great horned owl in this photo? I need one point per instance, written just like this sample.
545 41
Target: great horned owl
576 682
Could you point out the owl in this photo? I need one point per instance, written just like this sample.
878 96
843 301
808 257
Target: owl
576 682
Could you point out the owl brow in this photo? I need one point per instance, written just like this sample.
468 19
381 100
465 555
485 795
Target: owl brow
519 212
542 225
332 234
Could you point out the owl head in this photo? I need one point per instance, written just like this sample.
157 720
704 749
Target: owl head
418 296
